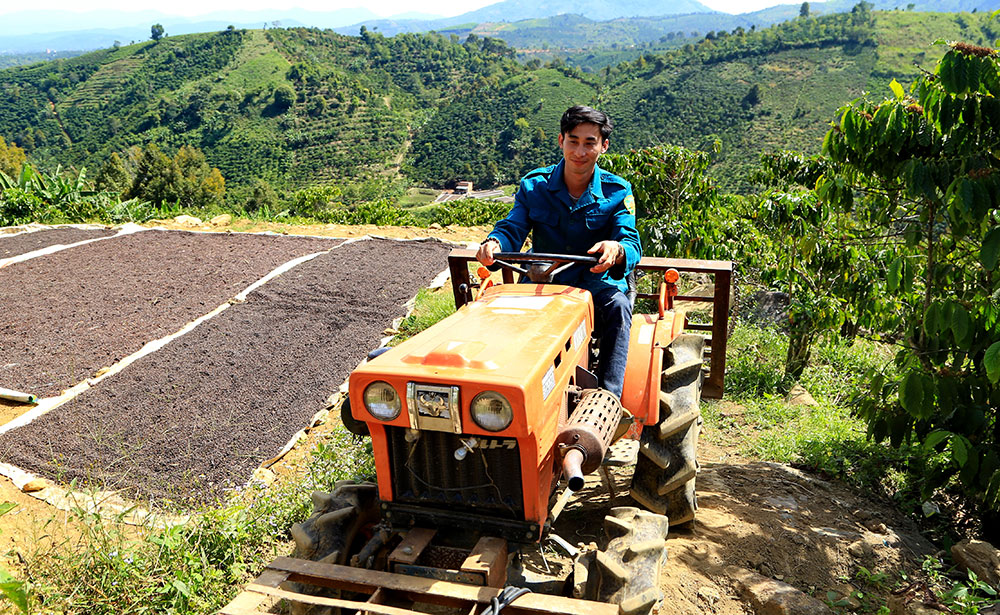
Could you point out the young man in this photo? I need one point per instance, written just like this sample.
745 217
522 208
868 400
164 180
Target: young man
575 207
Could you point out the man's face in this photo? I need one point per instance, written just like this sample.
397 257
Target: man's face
581 147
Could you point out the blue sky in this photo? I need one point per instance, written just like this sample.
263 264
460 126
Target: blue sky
446 8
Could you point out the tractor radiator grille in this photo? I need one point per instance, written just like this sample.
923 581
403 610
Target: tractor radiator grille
487 481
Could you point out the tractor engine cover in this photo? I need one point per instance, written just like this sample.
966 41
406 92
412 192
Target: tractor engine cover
591 427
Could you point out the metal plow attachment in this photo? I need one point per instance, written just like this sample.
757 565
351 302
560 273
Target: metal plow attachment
391 593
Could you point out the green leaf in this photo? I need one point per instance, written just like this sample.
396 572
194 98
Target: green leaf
892 279
961 326
960 446
13 590
6 507
992 362
931 324
990 250
897 89
911 393
936 437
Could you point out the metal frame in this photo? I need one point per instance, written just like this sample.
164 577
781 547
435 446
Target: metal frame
722 275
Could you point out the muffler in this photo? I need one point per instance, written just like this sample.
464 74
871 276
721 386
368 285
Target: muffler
588 434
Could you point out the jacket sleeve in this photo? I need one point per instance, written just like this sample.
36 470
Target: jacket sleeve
624 232
513 230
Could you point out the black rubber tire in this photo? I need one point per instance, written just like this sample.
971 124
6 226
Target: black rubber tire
332 533
627 572
664 479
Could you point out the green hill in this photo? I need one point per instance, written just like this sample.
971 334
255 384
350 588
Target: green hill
299 107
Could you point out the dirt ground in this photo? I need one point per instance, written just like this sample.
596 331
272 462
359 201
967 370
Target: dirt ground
767 518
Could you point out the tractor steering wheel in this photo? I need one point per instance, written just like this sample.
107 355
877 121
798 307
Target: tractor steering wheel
541 268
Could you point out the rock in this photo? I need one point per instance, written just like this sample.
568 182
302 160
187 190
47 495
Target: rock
914 600
860 549
771 597
709 594
221 220
767 308
799 396
263 476
980 557
435 226
35 484
188 220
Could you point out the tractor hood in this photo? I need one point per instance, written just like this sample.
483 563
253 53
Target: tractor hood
510 333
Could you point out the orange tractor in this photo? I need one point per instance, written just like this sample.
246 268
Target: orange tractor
482 425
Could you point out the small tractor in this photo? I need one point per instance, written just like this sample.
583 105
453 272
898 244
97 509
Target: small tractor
482 426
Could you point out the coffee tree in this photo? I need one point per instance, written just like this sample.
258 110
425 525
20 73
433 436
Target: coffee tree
919 174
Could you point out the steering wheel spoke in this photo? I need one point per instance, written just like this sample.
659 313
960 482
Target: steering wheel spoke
541 268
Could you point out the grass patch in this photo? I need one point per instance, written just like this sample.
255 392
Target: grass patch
416 197
114 568
430 307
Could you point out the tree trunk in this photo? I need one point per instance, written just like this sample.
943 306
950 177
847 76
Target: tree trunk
799 345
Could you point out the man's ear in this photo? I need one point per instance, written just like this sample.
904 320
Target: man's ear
605 145
560 140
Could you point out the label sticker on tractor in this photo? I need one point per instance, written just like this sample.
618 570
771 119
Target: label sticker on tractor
521 303
549 381
579 335
646 334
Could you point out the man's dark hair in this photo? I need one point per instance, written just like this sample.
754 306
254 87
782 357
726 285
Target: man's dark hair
579 114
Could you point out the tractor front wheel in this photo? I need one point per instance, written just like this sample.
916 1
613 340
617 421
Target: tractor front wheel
664 479
334 532
627 572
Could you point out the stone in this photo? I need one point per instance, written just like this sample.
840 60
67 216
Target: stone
221 220
914 600
35 484
767 308
860 549
435 226
188 220
263 476
770 597
980 557
799 396
709 594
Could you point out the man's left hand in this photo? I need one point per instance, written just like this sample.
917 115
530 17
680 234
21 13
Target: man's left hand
610 253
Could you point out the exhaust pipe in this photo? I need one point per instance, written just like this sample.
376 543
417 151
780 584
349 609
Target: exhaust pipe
584 441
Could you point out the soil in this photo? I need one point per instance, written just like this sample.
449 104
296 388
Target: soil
85 308
22 243
199 415
764 517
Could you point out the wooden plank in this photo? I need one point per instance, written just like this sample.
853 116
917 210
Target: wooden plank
432 591
489 558
697 327
248 602
354 605
412 545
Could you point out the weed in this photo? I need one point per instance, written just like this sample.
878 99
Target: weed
196 567
430 307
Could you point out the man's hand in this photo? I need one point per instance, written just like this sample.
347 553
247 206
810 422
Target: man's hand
611 253
486 251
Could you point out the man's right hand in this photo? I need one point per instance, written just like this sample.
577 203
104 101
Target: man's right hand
486 251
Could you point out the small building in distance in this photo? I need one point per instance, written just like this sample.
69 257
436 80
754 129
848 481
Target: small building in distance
464 190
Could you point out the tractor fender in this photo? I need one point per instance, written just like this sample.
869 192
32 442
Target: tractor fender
650 334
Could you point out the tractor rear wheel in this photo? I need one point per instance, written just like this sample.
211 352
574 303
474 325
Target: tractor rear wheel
664 479
334 532
627 572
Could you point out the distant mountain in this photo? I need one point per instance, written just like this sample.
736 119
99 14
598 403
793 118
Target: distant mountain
41 30
598 10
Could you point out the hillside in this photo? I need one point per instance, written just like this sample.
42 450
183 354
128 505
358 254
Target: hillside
298 107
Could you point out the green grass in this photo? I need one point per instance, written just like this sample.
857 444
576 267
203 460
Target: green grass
112 568
430 307
418 197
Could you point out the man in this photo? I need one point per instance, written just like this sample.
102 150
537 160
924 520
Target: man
575 207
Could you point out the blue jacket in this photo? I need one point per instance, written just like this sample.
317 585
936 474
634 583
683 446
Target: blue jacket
606 211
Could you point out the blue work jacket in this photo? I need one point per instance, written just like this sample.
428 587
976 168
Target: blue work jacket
560 226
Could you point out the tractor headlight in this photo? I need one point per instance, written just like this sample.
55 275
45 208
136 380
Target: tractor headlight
491 411
382 401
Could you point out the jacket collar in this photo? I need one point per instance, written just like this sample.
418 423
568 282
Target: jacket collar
557 183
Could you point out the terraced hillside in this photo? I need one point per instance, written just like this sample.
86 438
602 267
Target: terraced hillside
300 107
